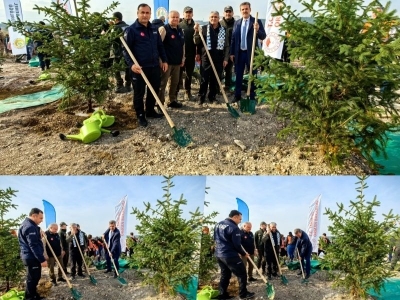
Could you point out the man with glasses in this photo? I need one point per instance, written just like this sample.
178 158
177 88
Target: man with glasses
228 21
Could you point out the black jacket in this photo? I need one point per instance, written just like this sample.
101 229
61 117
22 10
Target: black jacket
258 239
188 32
247 241
30 241
117 44
55 243
157 23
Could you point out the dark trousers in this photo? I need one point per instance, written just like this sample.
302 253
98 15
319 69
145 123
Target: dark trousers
228 266
228 74
43 61
261 262
188 68
240 65
117 75
208 79
108 261
272 264
33 274
154 76
76 260
307 262
65 260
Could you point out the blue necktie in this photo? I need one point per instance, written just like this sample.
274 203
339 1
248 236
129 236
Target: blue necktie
243 44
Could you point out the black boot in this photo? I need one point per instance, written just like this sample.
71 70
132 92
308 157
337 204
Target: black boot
128 87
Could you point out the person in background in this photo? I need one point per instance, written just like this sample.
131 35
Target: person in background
261 262
228 21
157 23
290 245
63 238
32 252
46 37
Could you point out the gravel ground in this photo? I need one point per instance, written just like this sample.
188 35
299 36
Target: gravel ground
222 145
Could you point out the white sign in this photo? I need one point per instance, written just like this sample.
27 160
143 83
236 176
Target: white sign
120 219
314 222
13 13
273 43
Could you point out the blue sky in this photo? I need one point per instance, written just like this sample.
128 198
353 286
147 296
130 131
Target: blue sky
90 200
128 8
286 200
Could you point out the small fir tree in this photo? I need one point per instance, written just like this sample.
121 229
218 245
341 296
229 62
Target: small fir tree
169 248
340 93
11 266
360 246
80 47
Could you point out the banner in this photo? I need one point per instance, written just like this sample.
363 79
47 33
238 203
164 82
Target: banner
65 3
314 222
49 213
13 11
244 209
273 43
161 8
121 220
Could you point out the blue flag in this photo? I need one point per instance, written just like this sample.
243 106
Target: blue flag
49 213
161 8
244 209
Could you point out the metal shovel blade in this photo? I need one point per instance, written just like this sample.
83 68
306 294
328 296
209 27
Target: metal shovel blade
93 280
181 137
248 106
122 280
75 294
284 280
232 111
270 291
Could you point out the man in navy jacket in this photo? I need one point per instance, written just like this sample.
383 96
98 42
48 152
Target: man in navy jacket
227 249
304 247
32 251
112 238
241 46
145 43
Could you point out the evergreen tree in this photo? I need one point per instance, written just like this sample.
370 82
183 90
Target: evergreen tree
169 248
81 47
340 93
360 245
11 266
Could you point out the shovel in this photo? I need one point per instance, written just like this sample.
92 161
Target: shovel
120 279
283 277
269 288
301 267
91 277
75 294
180 136
248 105
231 110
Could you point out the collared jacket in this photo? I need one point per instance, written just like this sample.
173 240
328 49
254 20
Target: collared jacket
188 32
73 245
145 44
174 44
30 241
258 240
248 241
55 243
115 242
228 24
218 56
304 245
227 239
63 237
274 243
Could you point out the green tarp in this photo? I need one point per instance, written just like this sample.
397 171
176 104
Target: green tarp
389 291
30 100
315 266
123 265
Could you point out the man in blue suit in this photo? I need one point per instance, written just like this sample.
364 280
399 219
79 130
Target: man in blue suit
112 238
241 46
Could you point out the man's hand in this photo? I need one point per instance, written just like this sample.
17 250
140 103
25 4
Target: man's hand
232 58
44 264
62 253
183 63
225 63
256 26
197 57
135 69
196 27
164 67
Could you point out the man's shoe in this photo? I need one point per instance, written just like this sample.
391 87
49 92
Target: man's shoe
128 87
115 275
201 100
252 279
224 296
249 295
275 274
300 273
72 277
188 96
212 100
175 104
54 282
120 90
81 275
142 122
108 271
307 276
153 114
269 277
61 279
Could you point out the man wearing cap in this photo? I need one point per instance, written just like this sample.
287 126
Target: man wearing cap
227 250
116 53
261 262
187 26
145 43
64 245
242 46
32 251
227 22
216 40
174 45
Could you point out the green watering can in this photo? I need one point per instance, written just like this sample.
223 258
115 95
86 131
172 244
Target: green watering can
91 129
13 295
207 293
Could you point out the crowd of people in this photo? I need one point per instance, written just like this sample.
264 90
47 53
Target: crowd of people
60 247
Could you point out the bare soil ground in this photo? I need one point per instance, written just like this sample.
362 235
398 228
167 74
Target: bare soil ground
30 143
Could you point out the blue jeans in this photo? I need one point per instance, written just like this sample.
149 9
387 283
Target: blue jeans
290 249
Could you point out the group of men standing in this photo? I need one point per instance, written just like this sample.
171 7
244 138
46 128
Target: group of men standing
50 248
234 248
171 51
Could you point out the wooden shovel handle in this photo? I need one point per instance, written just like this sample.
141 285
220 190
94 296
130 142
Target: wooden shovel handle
80 251
213 66
253 47
58 263
255 267
276 256
148 84
301 264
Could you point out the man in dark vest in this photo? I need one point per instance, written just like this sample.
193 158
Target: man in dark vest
227 22
75 239
174 43
30 242
63 237
248 244
261 262
112 237
55 243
